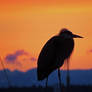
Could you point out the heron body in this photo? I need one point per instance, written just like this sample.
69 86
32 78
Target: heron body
54 53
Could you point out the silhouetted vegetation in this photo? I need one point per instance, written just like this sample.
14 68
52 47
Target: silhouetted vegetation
49 89
27 89
78 89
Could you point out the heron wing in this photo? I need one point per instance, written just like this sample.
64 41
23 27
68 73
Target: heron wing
47 58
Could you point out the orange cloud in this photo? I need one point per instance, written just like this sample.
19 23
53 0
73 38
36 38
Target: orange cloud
20 60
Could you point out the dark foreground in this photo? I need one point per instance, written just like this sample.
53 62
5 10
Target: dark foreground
79 89
49 89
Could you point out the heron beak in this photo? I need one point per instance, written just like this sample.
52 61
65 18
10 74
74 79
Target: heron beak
77 36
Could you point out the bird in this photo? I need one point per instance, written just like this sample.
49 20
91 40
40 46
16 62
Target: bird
54 53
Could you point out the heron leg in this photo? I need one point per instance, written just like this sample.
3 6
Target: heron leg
59 77
68 76
46 82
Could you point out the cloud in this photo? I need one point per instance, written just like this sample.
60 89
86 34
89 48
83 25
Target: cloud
21 52
11 57
90 50
33 59
14 56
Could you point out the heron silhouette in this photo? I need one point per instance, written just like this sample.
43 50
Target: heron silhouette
52 56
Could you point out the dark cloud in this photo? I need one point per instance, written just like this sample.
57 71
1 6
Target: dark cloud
90 50
13 57
33 59
20 52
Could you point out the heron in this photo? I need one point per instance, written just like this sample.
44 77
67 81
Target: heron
54 53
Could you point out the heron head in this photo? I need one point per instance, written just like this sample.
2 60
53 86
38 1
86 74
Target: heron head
68 34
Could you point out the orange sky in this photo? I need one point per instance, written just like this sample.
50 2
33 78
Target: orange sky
28 24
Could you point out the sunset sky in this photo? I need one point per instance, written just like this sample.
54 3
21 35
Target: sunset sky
26 25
